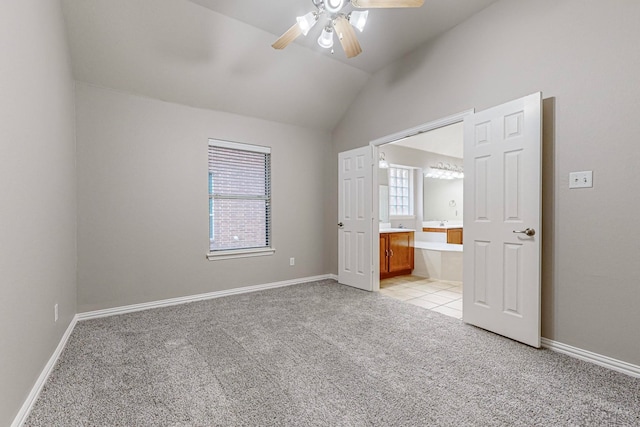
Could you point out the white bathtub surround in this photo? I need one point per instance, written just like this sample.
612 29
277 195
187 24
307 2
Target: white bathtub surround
438 260
434 237
438 246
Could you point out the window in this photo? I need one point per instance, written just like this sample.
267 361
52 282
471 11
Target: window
400 191
239 200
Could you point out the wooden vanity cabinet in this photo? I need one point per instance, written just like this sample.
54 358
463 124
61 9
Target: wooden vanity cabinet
384 254
396 254
454 236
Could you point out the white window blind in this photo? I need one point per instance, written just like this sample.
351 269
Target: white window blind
239 196
400 192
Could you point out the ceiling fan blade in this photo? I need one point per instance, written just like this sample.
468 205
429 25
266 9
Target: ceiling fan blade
347 37
290 35
370 4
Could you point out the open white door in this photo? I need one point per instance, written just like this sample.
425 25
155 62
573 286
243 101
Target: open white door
354 218
502 219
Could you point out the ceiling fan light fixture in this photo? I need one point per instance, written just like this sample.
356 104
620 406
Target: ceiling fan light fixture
326 38
333 6
358 18
341 22
307 22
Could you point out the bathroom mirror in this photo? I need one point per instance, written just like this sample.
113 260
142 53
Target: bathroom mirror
442 199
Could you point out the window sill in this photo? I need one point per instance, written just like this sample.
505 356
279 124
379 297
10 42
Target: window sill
239 253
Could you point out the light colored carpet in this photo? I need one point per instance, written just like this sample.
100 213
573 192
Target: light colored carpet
319 354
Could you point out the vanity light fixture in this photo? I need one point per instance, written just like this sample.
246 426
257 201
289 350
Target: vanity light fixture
444 171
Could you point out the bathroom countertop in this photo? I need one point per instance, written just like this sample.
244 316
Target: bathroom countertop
396 230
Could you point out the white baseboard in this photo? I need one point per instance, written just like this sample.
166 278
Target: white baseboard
37 387
199 297
589 356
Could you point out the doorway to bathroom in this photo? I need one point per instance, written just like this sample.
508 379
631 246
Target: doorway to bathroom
420 180
502 216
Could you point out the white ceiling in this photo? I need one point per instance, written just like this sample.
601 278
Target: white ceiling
389 34
447 141
217 54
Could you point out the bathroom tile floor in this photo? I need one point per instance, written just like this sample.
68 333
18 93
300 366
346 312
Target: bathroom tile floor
437 295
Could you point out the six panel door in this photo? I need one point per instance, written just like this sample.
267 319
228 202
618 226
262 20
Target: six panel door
502 219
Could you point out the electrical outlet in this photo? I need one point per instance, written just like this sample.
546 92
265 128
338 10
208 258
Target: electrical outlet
582 179
55 313
292 261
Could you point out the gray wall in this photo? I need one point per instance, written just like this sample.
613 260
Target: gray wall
584 57
143 202
37 203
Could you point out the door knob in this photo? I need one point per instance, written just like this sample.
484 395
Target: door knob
340 225
528 231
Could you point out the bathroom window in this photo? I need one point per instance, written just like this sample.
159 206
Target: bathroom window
400 191
239 200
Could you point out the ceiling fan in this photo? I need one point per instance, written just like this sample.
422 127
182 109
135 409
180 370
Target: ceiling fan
339 22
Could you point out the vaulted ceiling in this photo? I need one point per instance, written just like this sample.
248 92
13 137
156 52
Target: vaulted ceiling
217 54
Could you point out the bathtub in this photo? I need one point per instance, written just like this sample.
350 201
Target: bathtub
437 260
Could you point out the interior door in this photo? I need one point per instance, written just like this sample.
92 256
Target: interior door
502 219
355 250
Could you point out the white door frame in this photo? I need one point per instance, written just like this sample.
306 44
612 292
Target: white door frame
375 144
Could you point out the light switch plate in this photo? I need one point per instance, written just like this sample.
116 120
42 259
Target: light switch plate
582 179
